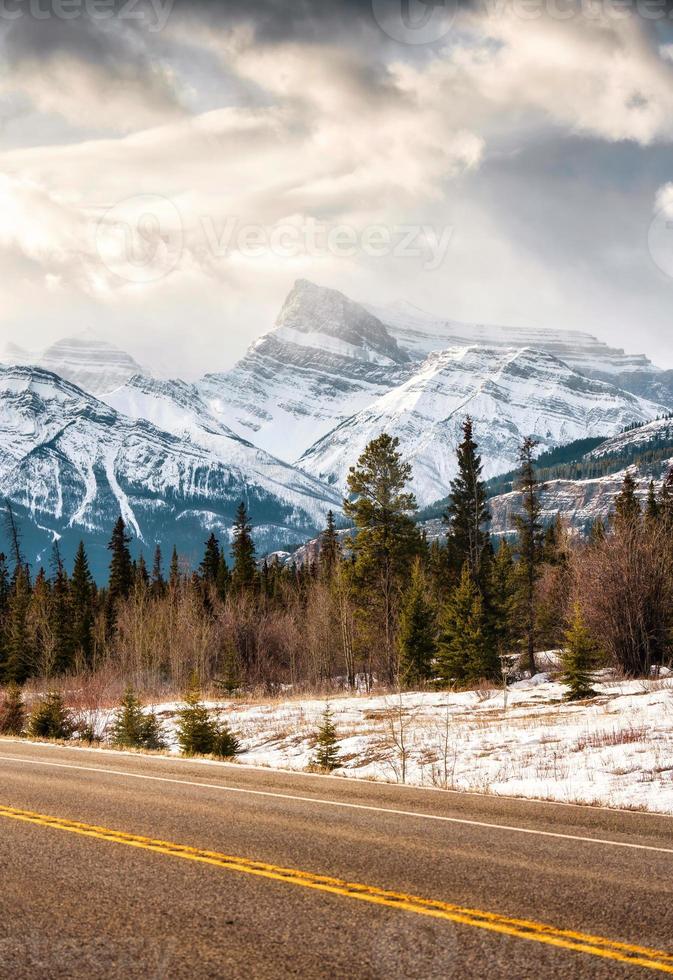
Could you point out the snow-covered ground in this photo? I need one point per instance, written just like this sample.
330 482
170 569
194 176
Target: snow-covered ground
616 750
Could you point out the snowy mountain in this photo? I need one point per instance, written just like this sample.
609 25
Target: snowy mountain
509 394
325 359
92 364
421 333
333 374
71 464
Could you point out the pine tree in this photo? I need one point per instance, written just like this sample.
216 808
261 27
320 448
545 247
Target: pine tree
133 728
627 509
199 733
120 581
211 561
19 652
223 580
196 728
417 637
5 591
244 574
158 582
327 749
51 719
652 505
467 513
465 650
529 544
502 592
666 500
330 549
174 572
82 592
141 577
578 658
61 618
386 538
12 712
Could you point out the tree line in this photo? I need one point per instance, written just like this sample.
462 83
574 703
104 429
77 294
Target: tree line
381 603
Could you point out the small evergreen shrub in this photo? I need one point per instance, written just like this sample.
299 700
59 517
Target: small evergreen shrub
12 711
199 733
578 659
133 728
327 751
50 718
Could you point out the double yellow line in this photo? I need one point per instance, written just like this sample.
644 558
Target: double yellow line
642 956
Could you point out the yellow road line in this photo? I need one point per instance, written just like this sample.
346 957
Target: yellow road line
652 959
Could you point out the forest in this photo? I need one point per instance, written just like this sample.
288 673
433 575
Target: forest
383 606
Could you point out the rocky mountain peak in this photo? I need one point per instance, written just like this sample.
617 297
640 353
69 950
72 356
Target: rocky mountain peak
325 318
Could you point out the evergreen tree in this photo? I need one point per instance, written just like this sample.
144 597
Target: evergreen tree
174 572
386 537
529 544
210 565
5 591
502 592
327 749
330 549
51 719
19 652
417 638
196 727
120 579
61 618
627 509
223 580
467 514
465 651
12 712
199 733
666 500
158 581
244 574
652 506
141 577
82 592
578 658
133 728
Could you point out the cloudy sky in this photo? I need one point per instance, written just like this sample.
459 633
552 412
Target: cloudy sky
167 170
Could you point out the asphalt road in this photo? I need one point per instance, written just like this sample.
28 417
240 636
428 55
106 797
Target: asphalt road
77 900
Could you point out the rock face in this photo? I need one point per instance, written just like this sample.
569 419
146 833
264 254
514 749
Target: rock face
71 464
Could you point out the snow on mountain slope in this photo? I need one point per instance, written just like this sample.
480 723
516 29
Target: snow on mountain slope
421 333
325 359
509 394
642 437
92 364
70 464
